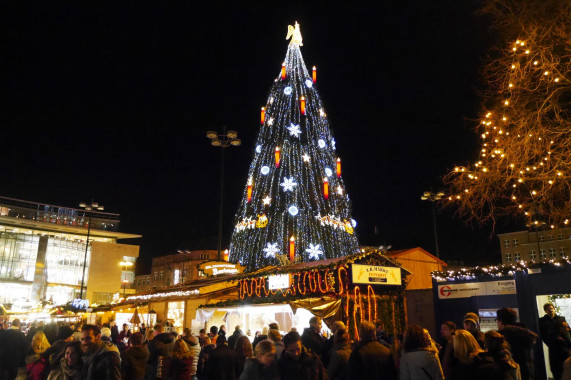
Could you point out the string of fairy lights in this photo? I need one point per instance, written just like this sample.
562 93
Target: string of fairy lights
494 271
524 161
294 202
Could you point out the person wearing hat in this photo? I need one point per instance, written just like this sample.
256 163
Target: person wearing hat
472 324
55 352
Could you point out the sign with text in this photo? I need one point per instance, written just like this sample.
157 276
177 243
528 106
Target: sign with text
375 275
213 268
472 289
279 281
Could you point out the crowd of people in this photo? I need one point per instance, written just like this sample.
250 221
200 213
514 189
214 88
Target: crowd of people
103 352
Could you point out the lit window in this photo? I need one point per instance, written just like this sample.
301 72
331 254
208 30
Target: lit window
155 276
506 243
542 254
517 256
541 238
560 236
550 237
508 257
516 243
532 255
561 251
552 252
161 275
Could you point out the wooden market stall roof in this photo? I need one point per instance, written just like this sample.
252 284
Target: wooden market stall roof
324 264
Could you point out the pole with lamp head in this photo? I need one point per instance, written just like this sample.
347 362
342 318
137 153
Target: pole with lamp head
87 207
433 197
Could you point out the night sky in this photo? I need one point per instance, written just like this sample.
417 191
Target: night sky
112 102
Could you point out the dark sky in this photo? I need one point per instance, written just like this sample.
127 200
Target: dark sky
113 102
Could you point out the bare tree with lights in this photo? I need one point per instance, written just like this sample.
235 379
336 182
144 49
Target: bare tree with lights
524 163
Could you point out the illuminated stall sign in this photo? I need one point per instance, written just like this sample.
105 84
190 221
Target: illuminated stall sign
280 281
375 275
213 268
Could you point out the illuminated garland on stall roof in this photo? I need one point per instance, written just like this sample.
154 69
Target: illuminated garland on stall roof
494 270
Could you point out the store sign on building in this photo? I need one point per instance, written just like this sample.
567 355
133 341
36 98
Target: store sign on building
279 281
471 289
212 268
375 275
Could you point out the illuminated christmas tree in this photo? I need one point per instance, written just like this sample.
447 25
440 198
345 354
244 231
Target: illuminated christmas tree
294 204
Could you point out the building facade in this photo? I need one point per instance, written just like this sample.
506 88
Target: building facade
46 254
535 245
174 269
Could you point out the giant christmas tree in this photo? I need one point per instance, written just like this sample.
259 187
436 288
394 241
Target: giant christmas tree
294 204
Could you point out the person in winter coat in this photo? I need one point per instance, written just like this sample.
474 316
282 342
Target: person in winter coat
520 339
419 361
499 349
12 350
205 353
244 350
70 365
261 367
327 346
560 349
369 358
473 362
194 346
312 338
134 359
101 360
37 366
446 354
55 353
276 338
472 324
223 363
181 362
298 363
339 355
234 337
160 350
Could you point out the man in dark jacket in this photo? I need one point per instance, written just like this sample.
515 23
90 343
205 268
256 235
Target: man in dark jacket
297 363
549 326
234 337
370 359
134 359
101 359
160 350
12 351
223 363
312 338
472 324
521 340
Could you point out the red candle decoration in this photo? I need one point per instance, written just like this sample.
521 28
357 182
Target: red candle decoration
338 167
314 74
291 248
283 71
277 156
302 105
263 115
249 191
325 188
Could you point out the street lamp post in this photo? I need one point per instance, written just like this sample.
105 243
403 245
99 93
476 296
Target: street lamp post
125 265
433 197
87 207
223 140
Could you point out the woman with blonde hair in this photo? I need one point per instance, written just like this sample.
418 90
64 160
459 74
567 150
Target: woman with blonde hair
474 363
181 361
37 366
